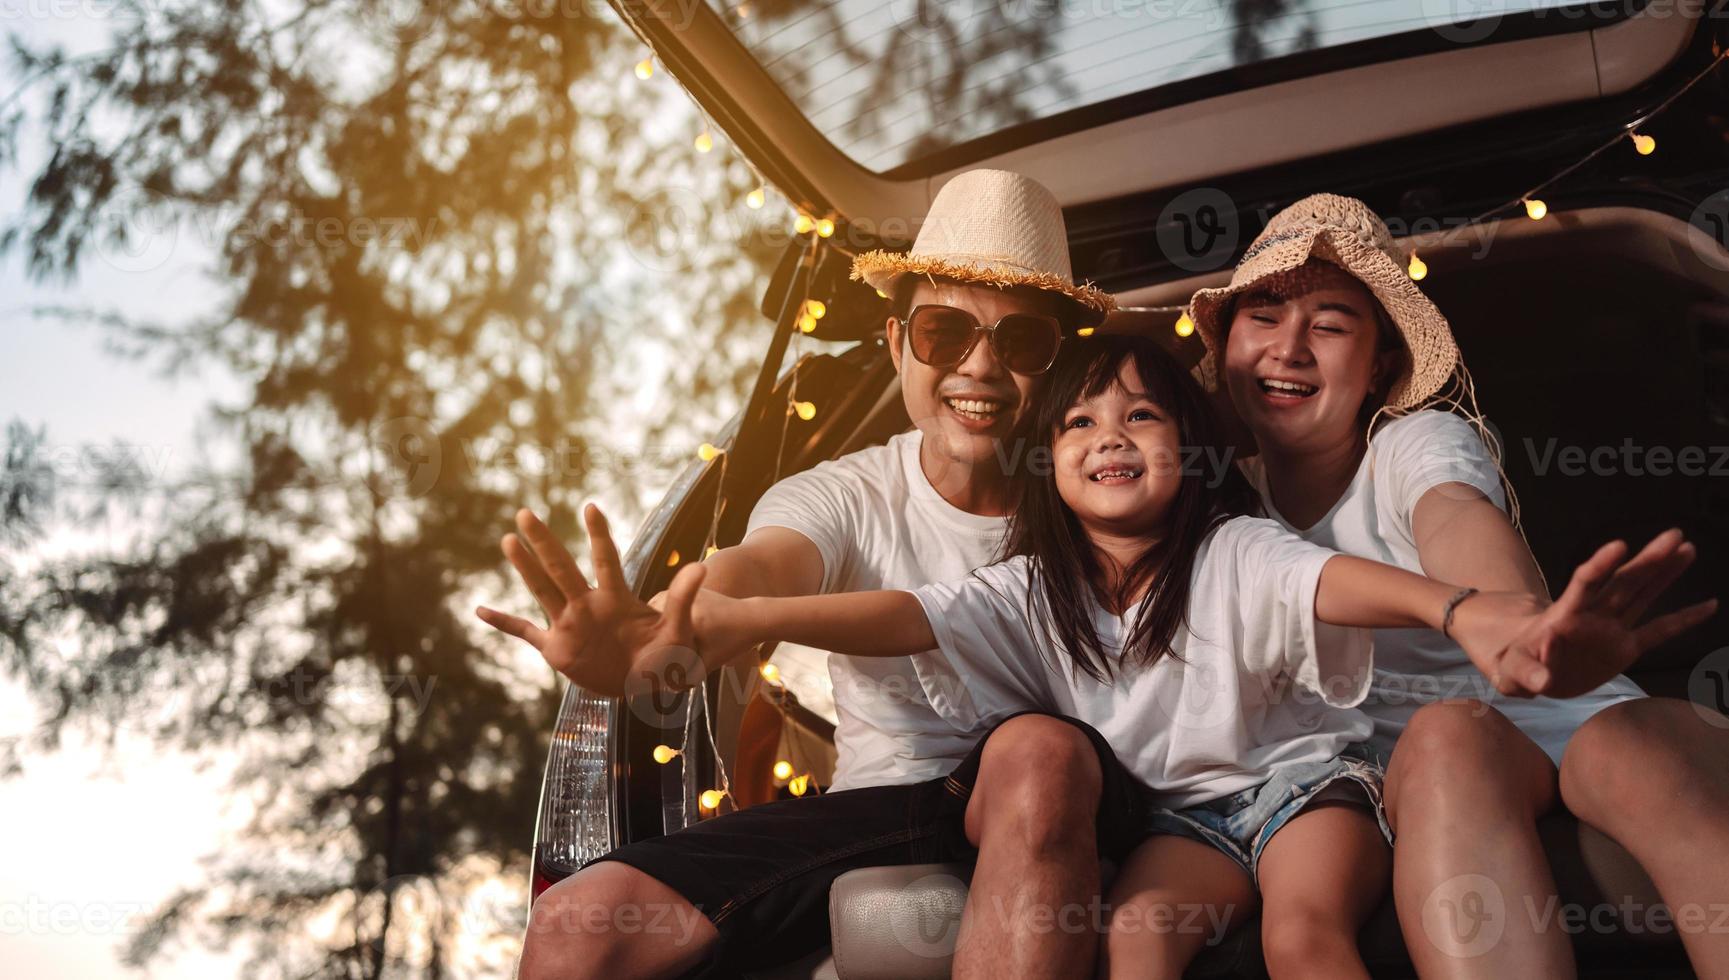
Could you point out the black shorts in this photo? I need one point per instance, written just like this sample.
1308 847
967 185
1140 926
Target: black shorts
762 875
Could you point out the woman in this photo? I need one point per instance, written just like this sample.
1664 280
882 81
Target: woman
1335 361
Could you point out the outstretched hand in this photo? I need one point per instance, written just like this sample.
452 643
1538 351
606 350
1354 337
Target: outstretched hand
1592 633
595 634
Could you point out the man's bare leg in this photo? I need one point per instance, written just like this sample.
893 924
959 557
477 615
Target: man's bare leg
610 920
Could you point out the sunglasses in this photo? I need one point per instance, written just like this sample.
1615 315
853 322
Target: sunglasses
942 336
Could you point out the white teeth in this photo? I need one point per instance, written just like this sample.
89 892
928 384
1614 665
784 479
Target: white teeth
969 406
1291 386
1116 474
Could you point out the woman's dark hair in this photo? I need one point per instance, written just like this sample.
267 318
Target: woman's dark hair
1044 528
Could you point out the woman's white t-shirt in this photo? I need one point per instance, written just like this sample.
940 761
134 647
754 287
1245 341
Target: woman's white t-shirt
879 524
1256 682
1407 458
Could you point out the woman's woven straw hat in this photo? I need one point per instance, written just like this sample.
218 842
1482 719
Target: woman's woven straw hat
1345 232
996 228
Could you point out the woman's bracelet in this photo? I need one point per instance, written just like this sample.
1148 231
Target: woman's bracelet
1450 607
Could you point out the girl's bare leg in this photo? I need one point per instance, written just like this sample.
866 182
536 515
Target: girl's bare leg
1322 875
1654 775
1464 791
1173 897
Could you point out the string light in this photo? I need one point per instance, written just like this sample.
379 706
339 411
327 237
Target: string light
803 223
707 451
1417 269
1646 145
769 673
672 559
710 798
1084 332
806 323
1185 326
645 69
704 142
783 770
664 754
816 308
825 228
805 410
1535 208
799 784
710 552
755 199
882 294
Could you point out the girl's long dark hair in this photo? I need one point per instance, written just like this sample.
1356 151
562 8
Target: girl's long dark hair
1071 577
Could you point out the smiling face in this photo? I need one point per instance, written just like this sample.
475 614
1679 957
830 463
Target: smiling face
1303 354
964 410
1118 459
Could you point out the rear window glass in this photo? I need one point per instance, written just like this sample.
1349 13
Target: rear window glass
890 83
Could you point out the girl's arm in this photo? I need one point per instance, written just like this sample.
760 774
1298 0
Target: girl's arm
886 623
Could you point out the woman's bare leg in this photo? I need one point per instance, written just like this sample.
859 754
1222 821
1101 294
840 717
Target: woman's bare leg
1464 791
1173 897
1321 876
1654 775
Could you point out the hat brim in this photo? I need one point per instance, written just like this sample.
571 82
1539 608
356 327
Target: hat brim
1427 335
882 270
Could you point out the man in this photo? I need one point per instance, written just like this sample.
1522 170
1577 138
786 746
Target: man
980 306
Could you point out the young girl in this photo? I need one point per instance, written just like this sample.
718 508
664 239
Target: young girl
1207 647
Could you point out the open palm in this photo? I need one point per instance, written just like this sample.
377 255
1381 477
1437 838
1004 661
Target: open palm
1593 632
595 635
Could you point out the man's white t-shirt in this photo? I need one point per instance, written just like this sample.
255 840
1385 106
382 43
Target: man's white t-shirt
1407 458
879 524
1256 682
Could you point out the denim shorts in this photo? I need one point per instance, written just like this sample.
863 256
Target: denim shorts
762 874
1242 823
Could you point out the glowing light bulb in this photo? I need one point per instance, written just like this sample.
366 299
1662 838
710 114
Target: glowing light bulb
816 308
1535 208
672 560
807 323
711 798
882 294
1418 268
707 451
803 224
664 754
1185 326
799 784
1084 332
710 552
805 410
704 142
755 198
769 672
825 228
782 769
1646 145
645 69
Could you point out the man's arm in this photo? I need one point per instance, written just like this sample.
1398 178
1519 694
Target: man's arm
595 634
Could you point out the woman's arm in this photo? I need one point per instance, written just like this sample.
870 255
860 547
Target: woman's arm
1463 537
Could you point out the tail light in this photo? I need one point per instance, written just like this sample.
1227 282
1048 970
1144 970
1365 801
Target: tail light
576 822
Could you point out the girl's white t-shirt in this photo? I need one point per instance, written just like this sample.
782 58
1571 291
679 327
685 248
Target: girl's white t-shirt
1256 682
1406 459
879 524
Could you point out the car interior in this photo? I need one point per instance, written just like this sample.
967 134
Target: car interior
1605 324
